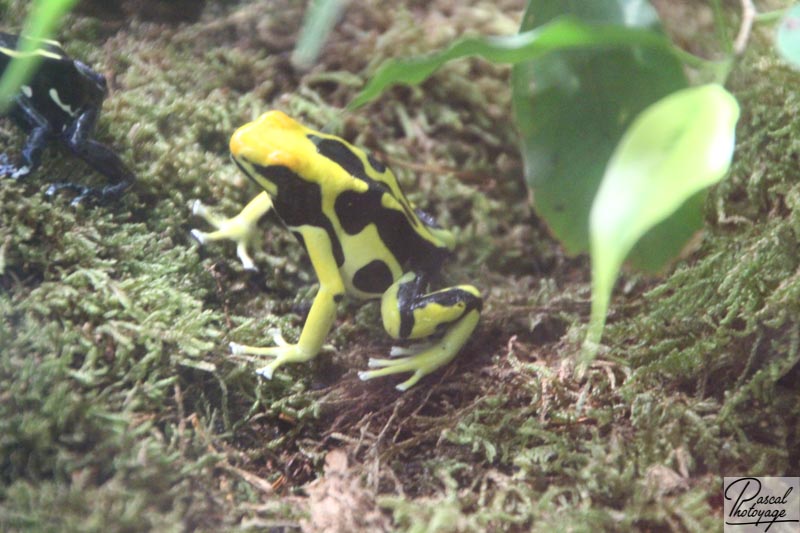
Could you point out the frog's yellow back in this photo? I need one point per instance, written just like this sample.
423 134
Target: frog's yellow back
275 140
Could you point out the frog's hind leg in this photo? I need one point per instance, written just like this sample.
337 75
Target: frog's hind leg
105 161
31 156
408 314
320 316
99 156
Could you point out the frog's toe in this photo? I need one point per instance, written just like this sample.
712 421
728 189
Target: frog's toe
277 338
405 351
20 172
200 236
199 209
244 257
282 354
387 367
393 366
78 200
82 192
53 189
267 371
239 229
410 382
237 349
10 170
382 363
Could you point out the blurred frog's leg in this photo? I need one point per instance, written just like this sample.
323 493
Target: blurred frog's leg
407 314
322 313
241 228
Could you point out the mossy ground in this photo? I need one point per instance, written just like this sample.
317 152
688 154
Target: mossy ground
120 409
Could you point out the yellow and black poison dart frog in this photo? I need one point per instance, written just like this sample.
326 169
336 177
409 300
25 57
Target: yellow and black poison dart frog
61 102
363 238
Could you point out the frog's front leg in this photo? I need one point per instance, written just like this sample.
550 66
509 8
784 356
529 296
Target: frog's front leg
38 138
409 314
322 313
99 156
240 229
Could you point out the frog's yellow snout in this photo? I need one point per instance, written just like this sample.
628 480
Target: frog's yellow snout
238 142
257 141
277 120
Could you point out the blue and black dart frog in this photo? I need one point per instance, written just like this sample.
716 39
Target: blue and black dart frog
61 102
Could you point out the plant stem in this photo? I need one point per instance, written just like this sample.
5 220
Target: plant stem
770 16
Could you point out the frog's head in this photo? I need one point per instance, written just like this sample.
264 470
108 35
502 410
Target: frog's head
95 87
272 143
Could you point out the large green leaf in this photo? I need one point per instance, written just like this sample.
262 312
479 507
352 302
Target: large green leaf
674 150
572 107
787 38
559 35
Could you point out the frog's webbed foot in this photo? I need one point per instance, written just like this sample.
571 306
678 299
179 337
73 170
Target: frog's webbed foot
409 314
406 351
10 170
428 359
235 229
240 229
283 352
84 192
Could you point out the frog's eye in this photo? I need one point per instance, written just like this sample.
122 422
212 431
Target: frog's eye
282 158
98 79
241 144
278 120
264 146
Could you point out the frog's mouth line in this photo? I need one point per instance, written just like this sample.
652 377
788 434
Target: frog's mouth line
243 169
254 173
247 172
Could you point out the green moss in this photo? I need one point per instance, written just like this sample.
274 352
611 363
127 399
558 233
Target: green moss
724 325
121 410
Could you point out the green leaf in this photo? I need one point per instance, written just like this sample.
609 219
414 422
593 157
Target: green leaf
674 150
320 19
572 106
562 34
787 40
44 17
